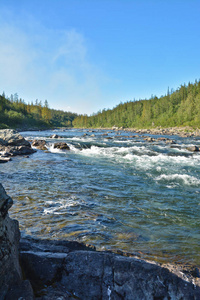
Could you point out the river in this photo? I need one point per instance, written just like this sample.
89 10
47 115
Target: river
112 190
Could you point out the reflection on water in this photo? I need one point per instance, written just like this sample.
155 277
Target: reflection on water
119 193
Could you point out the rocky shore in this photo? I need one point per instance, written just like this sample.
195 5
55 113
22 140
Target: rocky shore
44 269
180 131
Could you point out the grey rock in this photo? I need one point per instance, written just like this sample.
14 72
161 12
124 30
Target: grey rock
10 271
170 141
13 138
4 159
67 271
193 148
5 202
18 150
13 144
55 136
39 144
3 143
150 139
62 146
22 291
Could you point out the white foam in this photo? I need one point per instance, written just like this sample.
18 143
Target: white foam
54 150
143 161
98 151
58 206
182 178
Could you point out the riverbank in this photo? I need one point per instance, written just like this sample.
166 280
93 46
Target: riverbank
185 131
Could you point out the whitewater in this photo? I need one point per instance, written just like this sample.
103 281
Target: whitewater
112 190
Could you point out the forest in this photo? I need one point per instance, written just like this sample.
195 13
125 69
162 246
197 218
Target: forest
177 108
15 113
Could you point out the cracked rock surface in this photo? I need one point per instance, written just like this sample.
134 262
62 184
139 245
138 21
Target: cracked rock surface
69 270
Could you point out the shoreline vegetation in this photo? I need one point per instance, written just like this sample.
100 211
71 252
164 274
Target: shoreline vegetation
17 114
177 109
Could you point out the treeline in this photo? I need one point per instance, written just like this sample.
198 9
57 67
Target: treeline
15 113
176 108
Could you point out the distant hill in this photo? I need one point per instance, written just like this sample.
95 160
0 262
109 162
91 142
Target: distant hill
177 108
15 113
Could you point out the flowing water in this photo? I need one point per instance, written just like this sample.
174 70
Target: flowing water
113 191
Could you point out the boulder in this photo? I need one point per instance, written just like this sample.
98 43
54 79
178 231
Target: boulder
62 146
10 270
55 136
4 159
13 138
149 139
18 150
39 144
170 141
13 144
193 148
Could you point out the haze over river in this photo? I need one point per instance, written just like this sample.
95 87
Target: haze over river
122 193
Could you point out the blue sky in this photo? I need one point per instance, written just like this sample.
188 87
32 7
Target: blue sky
87 55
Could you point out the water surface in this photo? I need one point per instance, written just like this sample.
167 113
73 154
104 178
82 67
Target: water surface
113 191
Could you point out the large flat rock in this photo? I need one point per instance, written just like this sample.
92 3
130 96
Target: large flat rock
75 271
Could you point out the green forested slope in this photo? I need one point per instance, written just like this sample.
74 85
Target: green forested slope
15 113
178 108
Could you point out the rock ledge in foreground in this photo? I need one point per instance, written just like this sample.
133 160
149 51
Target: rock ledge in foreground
11 282
71 270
